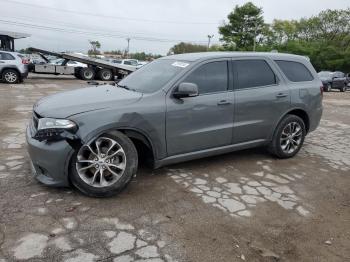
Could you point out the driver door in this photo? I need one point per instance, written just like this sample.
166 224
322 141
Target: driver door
204 121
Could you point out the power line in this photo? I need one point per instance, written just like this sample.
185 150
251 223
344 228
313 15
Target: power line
91 33
76 27
62 23
111 17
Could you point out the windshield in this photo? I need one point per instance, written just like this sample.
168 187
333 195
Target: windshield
324 74
153 76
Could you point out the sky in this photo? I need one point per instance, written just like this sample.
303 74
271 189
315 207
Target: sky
153 26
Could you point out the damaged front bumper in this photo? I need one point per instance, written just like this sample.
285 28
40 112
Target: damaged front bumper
49 159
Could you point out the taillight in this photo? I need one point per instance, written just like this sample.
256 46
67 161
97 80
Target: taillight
25 61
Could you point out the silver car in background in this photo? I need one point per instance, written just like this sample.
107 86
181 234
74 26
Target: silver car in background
13 67
175 109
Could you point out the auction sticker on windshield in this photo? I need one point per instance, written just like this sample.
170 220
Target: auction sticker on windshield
180 64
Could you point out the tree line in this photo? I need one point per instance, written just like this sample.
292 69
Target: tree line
324 38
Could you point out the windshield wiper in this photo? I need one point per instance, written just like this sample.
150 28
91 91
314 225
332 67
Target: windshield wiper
126 87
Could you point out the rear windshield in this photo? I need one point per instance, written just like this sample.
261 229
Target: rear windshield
295 71
153 76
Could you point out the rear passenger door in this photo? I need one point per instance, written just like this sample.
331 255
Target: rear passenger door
6 60
260 99
2 62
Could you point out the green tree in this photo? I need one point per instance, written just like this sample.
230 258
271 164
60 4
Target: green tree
95 45
245 25
324 38
182 48
284 30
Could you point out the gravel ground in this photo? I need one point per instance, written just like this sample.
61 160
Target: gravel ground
243 206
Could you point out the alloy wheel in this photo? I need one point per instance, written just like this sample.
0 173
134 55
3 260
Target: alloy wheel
101 163
10 77
291 137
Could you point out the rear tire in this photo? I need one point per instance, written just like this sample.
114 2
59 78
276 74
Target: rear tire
343 88
288 137
98 170
87 73
105 75
10 76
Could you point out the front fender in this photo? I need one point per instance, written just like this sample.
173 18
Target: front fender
88 129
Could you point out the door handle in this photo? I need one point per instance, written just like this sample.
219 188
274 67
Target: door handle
280 95
223 103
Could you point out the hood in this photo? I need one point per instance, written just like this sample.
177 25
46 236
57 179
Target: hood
82 100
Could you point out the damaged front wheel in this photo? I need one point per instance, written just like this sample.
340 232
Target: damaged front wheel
105 165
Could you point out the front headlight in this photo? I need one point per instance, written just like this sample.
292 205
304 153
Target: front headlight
51 129
51 123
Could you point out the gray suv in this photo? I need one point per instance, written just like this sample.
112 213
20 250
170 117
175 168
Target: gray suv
13 67
175 109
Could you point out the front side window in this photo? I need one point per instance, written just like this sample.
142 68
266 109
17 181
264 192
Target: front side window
295 71
210 78
253 73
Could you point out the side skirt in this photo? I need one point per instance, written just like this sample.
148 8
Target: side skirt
208 152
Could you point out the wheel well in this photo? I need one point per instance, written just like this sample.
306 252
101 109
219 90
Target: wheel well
143 145
303 115
12 68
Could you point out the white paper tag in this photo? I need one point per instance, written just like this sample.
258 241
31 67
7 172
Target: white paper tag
180 64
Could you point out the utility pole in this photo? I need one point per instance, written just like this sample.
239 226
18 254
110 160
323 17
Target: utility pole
209 39
255 29
128 48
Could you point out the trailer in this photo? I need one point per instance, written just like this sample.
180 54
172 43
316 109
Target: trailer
96 68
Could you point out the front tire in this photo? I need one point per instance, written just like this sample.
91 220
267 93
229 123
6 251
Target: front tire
10 76
104 166
288 137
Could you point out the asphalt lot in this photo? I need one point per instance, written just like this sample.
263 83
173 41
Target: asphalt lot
243 206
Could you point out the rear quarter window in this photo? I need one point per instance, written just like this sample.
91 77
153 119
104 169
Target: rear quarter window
253 73
295 71
5 56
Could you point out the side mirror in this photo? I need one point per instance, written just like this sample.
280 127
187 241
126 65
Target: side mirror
186 90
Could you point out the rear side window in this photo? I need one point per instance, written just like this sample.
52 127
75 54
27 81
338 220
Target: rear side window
5 56
210 78
295 71
253 73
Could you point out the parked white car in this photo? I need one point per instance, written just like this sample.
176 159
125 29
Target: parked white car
129 62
